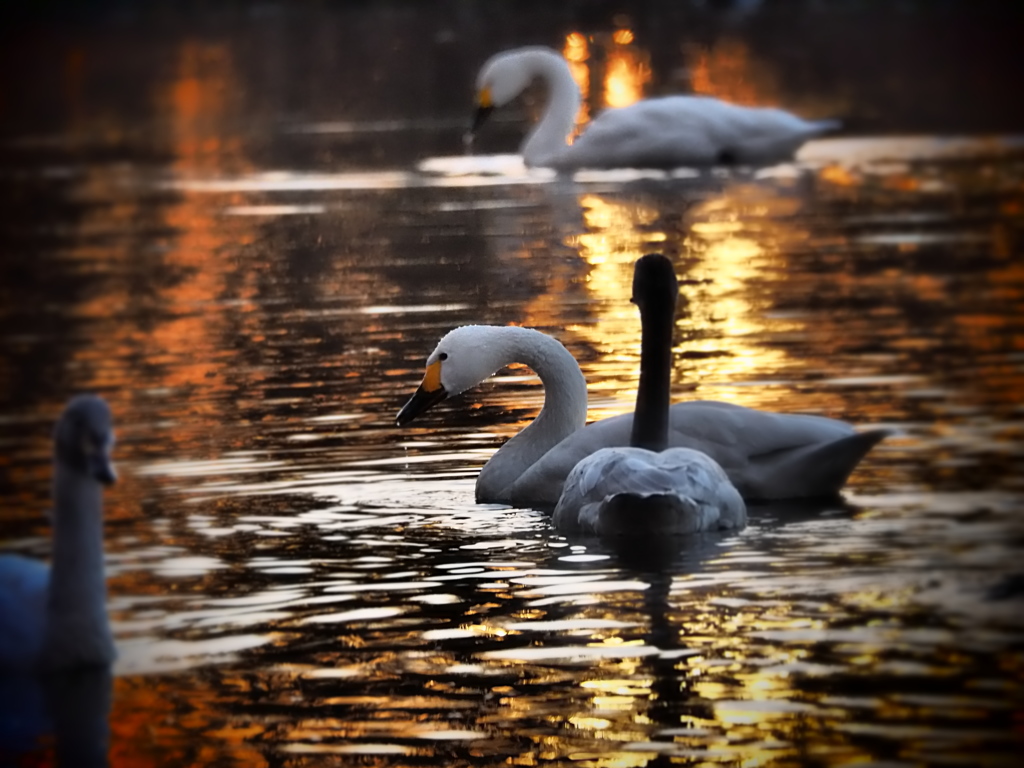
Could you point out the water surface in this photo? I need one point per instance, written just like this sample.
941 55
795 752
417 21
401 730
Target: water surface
296 581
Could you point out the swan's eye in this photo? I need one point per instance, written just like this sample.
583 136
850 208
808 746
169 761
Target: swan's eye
443 356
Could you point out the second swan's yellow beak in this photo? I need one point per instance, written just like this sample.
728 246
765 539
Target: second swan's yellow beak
484 107
430 392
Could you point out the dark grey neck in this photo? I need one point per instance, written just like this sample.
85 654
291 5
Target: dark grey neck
650 418
77 579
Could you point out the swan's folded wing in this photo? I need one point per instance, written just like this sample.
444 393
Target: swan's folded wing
616 476
744 431
654 133
676 131
643 473
23 583
766 455
773 455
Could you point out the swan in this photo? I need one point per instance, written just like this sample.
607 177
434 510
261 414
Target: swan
56 617
766 455
647 488
665 132
72 706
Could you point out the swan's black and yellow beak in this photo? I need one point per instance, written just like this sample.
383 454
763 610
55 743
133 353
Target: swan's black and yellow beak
484 107
430 392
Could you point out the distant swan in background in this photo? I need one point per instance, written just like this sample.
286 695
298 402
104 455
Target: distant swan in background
56 617
766 455
646 488
665 132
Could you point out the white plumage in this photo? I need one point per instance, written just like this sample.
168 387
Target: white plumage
766 455
665 132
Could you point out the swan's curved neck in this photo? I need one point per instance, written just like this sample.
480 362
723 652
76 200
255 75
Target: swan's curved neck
564 410
650 418
77 600
549 137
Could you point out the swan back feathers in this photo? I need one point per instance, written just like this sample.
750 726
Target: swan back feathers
633 491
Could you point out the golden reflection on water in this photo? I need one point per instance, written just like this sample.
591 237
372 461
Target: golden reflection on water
199 102
197 248
730 71
546 662
577 51
622 69
627 71
727 70
739 239
616 234
730 250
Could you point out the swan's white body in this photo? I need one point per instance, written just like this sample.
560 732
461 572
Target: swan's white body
665 132
648 489
56 617
766 455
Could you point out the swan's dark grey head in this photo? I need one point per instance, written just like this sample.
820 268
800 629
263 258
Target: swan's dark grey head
84 438
654 282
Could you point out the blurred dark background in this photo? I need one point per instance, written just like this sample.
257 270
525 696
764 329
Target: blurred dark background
912 66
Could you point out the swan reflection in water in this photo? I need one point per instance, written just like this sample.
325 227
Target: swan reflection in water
68 708
681 574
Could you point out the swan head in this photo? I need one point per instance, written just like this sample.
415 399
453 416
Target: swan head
84 438
503 77
461 360
655 285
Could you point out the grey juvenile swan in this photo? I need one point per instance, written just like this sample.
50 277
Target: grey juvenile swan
56 617
646 488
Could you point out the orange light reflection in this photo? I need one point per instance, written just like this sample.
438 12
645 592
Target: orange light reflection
725 258
627 71
577 52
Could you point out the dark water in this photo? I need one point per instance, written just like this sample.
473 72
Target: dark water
218 223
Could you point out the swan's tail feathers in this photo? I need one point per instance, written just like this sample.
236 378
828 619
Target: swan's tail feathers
826 465
819 127
630 514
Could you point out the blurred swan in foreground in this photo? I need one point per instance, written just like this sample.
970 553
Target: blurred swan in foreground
647 488
665 132
766 455
66 708
56 617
